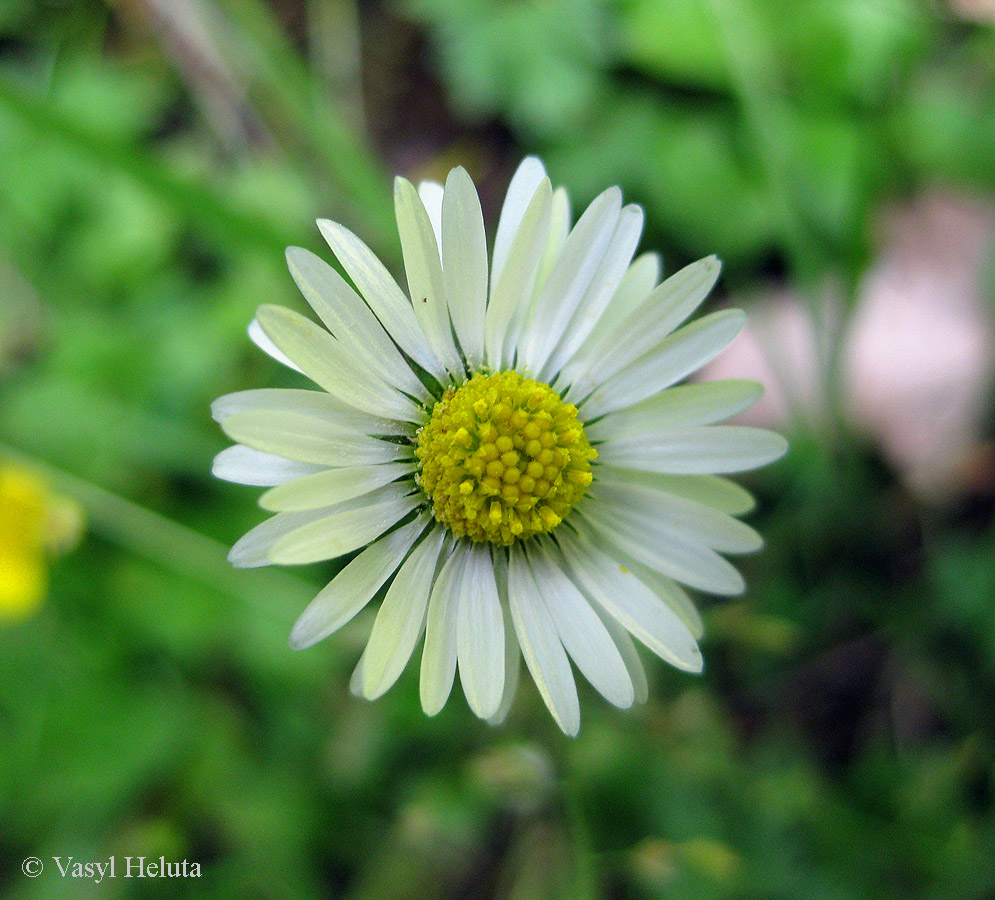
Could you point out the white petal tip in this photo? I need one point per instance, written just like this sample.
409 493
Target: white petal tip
432 709
295 255
735 589
374 693
780 446
754 390
570 729
532 164
685 659
303 635
370 686
485 709
624 702
296 643
241 559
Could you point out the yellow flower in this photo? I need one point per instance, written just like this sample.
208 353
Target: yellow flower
34 523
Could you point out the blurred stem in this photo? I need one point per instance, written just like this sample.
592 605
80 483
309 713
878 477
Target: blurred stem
750 62
584 875
179 27
198 201
283 92
166 543
336 56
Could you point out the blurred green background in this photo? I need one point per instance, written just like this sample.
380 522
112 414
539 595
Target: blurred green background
157 157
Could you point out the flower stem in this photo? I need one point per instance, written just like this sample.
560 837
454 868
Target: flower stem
166 543
583 870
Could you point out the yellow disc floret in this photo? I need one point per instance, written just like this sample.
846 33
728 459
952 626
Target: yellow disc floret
503 458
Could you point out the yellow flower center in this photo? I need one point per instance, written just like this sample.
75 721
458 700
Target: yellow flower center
503 458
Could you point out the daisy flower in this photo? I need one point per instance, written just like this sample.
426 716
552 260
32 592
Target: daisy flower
507 446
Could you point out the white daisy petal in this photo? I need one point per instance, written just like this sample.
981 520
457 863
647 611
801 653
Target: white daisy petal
243 465
576 266
521 192
630 602
253 548
693 451
464 263
331 486
381 292
346 527
512 668
556 237
712 490
354 586
618 256
401 618
670 592
350 320
644 329
438 661
431 193
310 439
424 270
667 514
259 338
559 230
480 635
356 680
581 631
307 403
639 280
681 558
541 646
680 354
683 406
627 650
330 365
514 283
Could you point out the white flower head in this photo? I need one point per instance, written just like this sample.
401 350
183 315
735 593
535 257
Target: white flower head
507 446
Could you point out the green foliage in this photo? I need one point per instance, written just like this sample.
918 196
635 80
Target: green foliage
747 128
